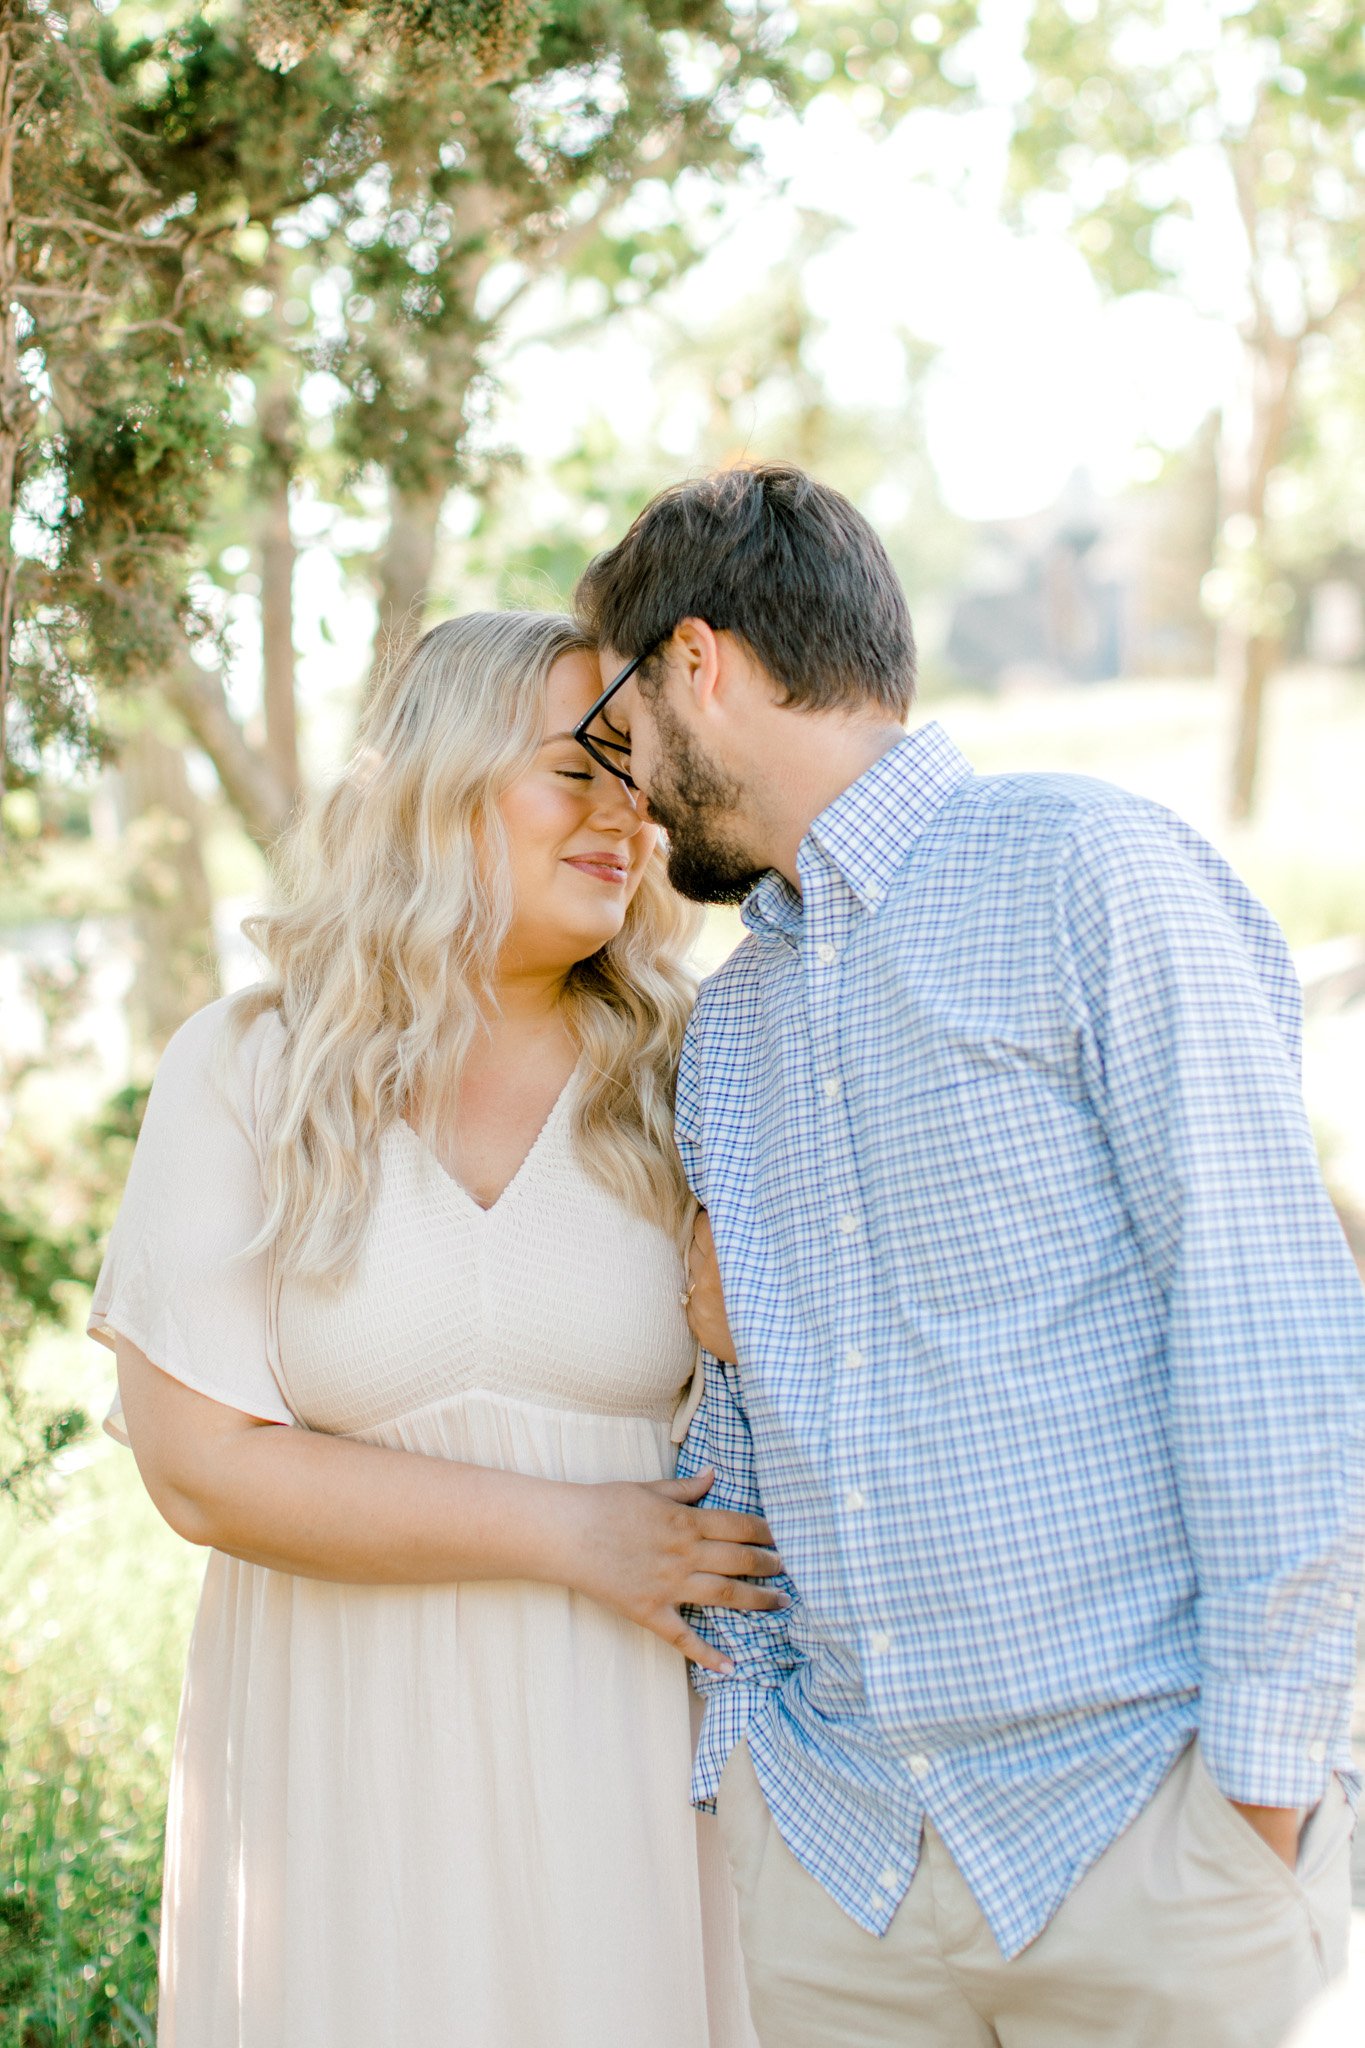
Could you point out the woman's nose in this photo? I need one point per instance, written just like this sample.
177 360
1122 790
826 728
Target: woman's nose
618 808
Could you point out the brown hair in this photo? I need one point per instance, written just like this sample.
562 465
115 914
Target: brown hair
782 561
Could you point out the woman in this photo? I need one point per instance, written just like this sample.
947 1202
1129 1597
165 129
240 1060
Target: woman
394 1293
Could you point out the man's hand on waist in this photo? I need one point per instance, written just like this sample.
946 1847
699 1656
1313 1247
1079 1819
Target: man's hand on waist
1279 1826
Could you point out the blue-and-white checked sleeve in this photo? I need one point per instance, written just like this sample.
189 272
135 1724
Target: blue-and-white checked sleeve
1190 1051
756 1644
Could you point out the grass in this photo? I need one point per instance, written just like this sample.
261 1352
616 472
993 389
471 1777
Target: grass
95 1609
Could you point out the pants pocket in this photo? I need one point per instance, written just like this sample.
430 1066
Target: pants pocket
1327 1833
1315 1891
1320 1839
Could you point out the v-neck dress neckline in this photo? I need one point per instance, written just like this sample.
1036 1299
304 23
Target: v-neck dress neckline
528 1158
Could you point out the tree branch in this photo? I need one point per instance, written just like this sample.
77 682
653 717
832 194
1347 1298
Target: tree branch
251 784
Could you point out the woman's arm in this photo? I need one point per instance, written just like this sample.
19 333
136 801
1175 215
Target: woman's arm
705 1296
329 1508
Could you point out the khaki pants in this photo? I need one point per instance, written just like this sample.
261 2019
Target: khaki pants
1189 1932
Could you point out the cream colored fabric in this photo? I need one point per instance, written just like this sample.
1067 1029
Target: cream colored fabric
439 1817
1188 1933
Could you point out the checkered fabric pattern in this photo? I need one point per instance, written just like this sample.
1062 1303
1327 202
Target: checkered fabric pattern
1052 1355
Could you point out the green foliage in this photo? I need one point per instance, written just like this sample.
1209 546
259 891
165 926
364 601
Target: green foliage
95 1609
287 189
108 438
57 1200
1124 99
525 173
1158 131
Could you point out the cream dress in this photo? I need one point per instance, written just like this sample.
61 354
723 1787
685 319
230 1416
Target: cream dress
422 1817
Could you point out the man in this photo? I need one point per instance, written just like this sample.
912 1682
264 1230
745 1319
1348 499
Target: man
1051 1357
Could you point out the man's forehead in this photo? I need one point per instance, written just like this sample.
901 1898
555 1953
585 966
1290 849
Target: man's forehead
609 663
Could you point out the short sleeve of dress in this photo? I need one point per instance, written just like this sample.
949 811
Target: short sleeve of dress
173 1280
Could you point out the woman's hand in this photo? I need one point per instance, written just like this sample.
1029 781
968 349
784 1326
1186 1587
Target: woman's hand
648 1550
706 1315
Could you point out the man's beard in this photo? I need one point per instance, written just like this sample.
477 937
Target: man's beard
693 799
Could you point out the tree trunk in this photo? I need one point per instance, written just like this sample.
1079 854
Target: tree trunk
1249 644
405 571
277 585
176 970
1255 656
14 401
261 800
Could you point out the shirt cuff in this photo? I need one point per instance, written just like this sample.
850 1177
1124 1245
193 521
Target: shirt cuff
731 1709
1268 1745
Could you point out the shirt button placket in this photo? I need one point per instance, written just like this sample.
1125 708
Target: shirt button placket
840 1180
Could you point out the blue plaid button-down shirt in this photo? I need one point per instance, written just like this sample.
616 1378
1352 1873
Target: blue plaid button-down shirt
1052 1355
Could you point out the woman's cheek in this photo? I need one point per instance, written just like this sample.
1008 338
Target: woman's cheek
641 853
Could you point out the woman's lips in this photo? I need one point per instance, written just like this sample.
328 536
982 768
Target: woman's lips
601 870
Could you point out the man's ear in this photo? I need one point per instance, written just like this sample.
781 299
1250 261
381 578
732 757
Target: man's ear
699 661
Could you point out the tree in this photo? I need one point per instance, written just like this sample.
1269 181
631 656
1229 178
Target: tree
1161 130
118 318
109 426
252 159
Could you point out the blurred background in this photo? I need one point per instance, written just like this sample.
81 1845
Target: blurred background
323 321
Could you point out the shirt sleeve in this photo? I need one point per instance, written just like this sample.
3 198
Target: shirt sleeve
758 1645
1177 983
174 1281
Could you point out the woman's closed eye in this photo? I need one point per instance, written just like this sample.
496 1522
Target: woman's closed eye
575 774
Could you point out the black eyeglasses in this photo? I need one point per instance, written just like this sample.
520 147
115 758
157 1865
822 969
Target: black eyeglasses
601 750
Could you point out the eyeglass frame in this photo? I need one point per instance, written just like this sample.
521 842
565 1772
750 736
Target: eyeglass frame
593 748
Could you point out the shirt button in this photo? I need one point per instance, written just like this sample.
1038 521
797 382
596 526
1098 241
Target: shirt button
879 1642
920 1766
875 1903
874 892
1317 1752
848 1224
827 954
855 1500
1346 1600
853 1358
888 1880
832 1086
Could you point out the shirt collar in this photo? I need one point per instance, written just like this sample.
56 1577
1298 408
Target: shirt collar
869 829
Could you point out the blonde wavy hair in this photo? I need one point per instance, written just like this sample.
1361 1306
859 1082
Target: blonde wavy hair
382 952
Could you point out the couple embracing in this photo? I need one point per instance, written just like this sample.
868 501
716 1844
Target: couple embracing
1017 1524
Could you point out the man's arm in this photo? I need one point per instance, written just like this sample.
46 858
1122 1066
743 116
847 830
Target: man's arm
757 1645
1190 1052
